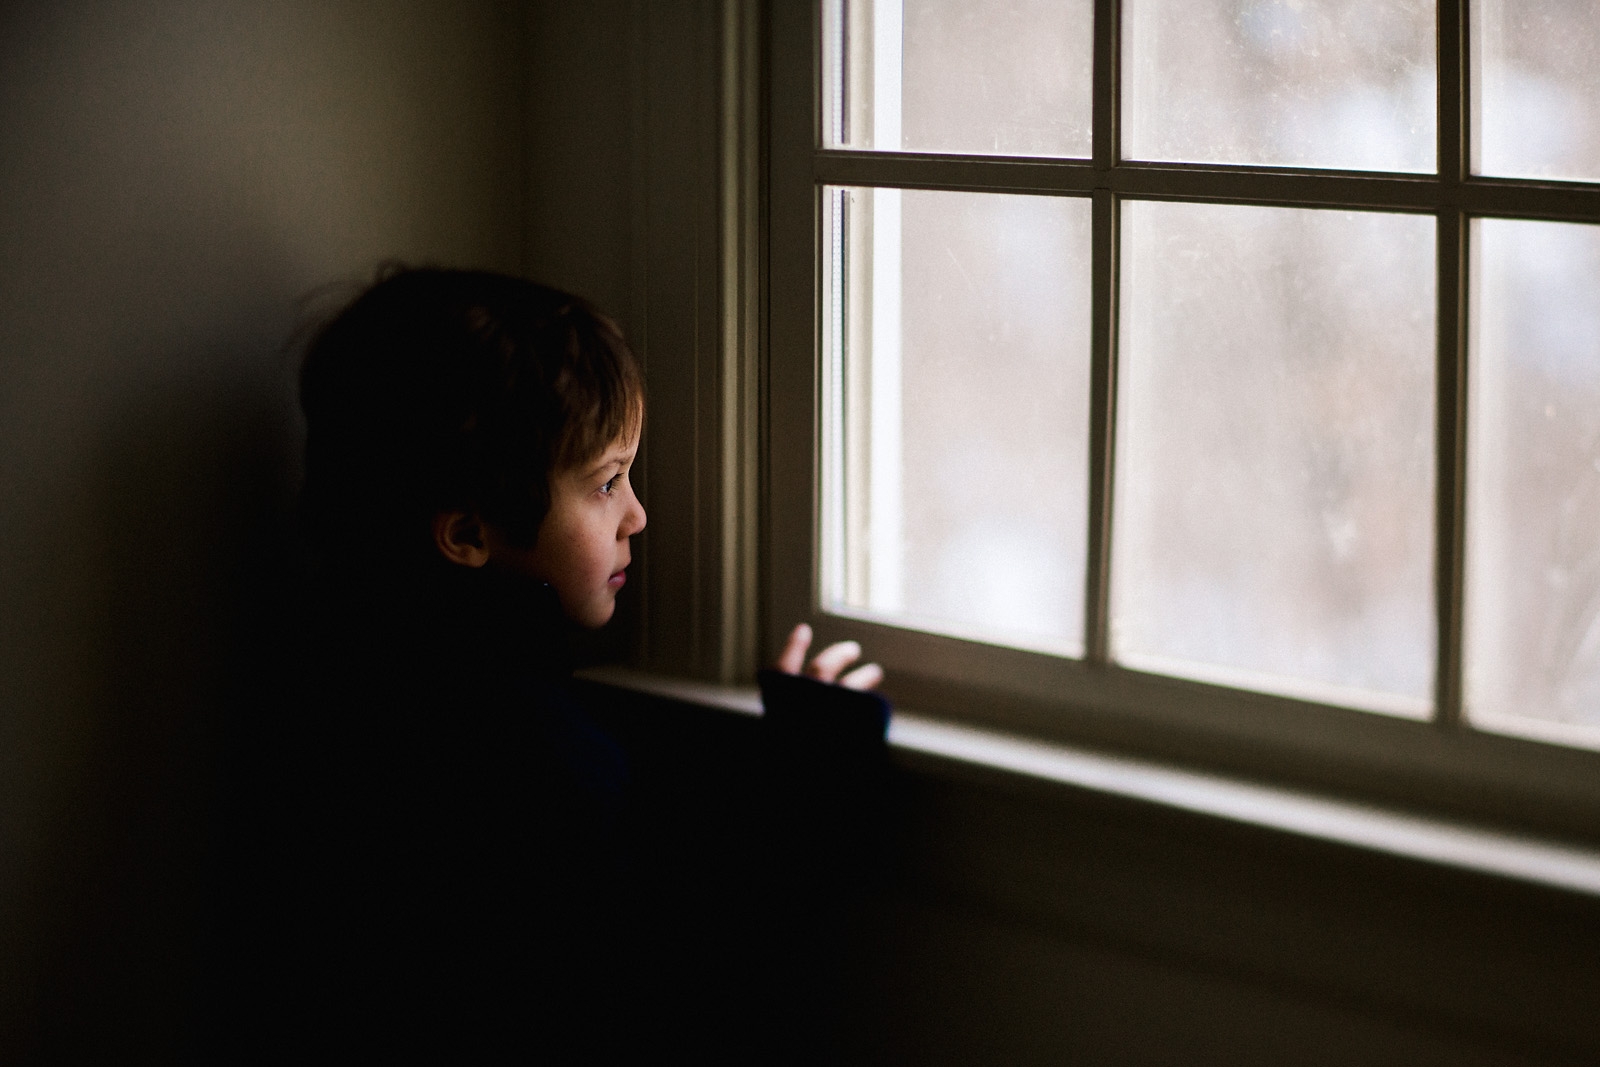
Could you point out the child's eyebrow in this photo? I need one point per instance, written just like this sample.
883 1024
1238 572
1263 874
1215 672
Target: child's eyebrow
611 459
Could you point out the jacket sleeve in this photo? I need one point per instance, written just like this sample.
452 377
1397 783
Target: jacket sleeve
757 847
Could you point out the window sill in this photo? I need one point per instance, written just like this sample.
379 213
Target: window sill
1393 832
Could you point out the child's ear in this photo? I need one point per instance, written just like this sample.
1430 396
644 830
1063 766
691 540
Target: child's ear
459 536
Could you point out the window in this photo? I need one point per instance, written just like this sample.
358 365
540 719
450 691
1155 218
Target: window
1217 377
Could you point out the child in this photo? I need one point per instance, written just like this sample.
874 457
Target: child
491 421
469 861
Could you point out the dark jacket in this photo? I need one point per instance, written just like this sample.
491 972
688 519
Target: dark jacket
450 853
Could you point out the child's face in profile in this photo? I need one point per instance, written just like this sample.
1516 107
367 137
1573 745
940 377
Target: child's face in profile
582 549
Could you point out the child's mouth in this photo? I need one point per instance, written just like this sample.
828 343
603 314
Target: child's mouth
617 580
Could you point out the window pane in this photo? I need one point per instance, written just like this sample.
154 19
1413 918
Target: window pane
1347 84
1533 545
981 77
1274 485
955 412
1536 82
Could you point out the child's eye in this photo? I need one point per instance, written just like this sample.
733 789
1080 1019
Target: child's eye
611 484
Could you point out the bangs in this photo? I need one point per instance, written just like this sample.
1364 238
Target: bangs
600 390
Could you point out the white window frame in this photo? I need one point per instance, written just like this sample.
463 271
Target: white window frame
1443 764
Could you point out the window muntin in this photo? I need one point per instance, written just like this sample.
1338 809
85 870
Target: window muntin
1347 84
958 368
1456 200
1274 473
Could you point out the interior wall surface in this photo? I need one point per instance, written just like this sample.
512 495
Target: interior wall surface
583 170
182 185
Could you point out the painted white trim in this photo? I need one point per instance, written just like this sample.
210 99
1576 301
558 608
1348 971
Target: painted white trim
1393 832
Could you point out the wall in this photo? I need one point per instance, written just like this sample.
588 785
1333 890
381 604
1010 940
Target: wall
582 216
1030 923
176 177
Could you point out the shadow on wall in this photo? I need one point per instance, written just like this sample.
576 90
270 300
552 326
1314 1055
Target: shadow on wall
174 174
185 537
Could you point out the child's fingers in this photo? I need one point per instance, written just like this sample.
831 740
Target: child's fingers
793 656
827 664
866 676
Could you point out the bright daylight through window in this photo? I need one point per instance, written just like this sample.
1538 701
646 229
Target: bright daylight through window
1335 432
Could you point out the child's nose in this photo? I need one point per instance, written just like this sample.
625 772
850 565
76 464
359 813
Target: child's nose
634 521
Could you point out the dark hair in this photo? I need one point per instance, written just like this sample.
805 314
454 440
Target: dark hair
442 390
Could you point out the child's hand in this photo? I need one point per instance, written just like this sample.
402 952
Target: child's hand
826 665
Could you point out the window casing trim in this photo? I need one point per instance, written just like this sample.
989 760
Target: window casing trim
1441 765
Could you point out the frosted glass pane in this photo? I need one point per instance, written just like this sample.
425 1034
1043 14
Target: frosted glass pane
1536 88
980 77
956 412
1533 490
1347 84
1273 505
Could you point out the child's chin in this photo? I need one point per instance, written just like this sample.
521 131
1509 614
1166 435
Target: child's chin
595 616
